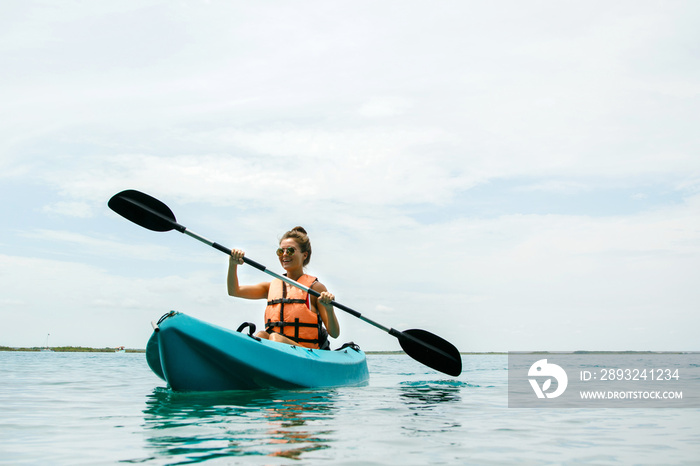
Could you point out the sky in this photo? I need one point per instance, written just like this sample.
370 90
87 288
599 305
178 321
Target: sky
508 175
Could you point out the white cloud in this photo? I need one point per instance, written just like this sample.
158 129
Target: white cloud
83 305
383 107
97 246
70 209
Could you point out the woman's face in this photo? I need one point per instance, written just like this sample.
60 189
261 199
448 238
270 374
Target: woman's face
291 261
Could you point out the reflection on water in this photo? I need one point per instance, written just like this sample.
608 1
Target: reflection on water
186 428
195 427
426 395
430 400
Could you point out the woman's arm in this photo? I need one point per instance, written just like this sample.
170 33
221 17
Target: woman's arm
325 309
258 291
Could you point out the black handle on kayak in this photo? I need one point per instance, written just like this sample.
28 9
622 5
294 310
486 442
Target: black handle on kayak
421 345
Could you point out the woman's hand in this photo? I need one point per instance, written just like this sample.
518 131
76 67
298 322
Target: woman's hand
326 298
326 310
237 256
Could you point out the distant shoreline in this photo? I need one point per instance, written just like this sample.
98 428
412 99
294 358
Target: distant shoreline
82 349
70 349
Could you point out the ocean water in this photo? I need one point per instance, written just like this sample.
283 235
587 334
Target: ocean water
102 408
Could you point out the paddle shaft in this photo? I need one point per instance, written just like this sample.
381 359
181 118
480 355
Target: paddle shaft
262 268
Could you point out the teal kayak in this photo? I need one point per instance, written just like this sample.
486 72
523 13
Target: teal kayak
192 355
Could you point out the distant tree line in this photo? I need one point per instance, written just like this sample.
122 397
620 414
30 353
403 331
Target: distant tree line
70 349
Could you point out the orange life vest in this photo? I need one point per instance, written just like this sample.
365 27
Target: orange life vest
288 313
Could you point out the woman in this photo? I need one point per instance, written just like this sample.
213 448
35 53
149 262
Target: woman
292 316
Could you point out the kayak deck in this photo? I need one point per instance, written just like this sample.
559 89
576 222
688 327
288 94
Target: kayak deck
192 355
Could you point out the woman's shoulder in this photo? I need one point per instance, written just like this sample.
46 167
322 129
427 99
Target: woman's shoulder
318 286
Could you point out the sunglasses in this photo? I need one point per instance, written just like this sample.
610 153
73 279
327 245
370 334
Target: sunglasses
289 251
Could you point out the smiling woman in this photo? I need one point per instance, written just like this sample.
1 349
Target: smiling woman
292 315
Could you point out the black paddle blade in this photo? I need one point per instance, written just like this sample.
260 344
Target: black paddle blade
144 210
431 350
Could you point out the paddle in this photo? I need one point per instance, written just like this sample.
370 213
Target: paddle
421 345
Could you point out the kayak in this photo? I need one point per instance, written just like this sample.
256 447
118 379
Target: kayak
193 355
